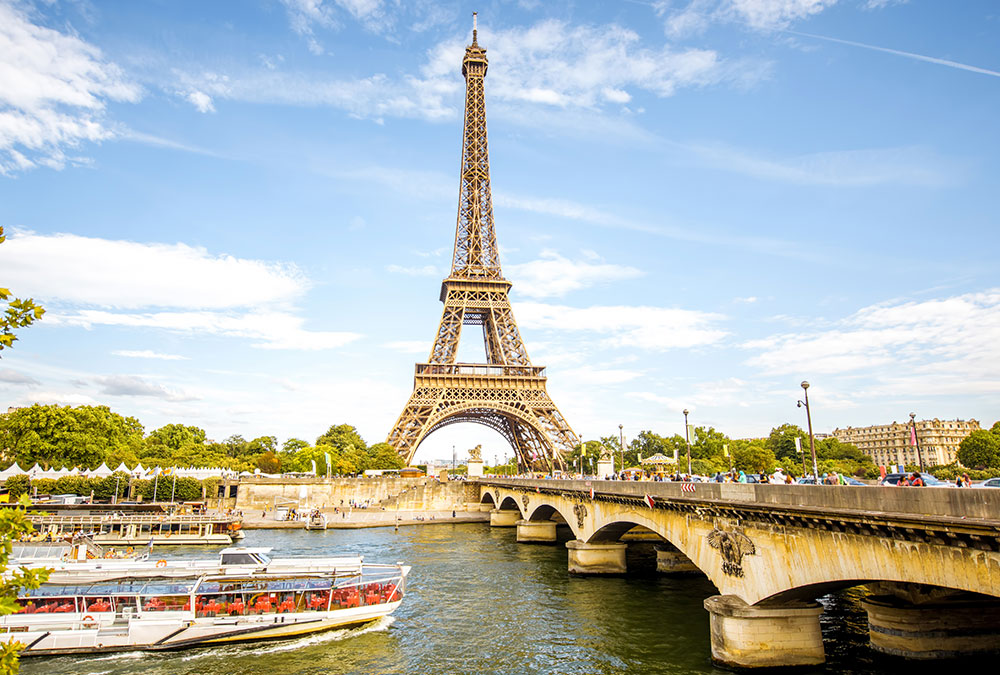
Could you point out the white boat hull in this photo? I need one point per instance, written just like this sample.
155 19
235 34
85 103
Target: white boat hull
183 630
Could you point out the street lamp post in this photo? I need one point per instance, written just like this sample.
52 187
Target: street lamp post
621 445
916 442
812 444
687 439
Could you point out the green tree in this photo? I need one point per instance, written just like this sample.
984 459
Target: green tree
707 444
293 445
236 446
782 443
262 444
18 314
59 436
176 436
384 457
269 462
753 456
14 523
980 450
341 436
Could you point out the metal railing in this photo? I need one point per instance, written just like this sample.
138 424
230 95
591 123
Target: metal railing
479 369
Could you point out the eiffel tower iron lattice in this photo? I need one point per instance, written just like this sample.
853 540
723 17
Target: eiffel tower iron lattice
506 393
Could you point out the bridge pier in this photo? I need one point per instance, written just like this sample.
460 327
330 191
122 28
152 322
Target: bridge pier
504 518
745 636
608 558
669 560
932 630
536 531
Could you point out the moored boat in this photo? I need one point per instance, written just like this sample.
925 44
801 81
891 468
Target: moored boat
101 606
317 521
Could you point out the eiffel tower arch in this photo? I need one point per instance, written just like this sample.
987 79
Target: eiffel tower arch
507 393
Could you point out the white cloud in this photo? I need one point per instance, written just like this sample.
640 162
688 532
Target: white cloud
54 88
424 271
550 64
129 275
653 328
555 276
841 168
201 101
131 385
220 295
694 17
148 354
270 329
15 377
409 346
930 347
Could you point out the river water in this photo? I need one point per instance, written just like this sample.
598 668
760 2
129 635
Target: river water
478 602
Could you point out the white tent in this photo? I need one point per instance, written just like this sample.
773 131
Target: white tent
35 470
122 467
12 470
100 472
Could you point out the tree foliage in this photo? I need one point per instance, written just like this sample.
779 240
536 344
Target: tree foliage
980 450
58 436
14 523
18 313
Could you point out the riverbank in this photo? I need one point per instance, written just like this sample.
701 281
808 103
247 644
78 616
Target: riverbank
364 518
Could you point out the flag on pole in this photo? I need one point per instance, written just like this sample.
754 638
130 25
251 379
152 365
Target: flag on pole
913 435
798 445
649 501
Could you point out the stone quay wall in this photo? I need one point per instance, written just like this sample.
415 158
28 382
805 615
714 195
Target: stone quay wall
403 494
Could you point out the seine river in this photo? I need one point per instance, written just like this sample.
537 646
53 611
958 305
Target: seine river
480 603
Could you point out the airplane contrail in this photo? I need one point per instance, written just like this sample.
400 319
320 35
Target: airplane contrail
918 57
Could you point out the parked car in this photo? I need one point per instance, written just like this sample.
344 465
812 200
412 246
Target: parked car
929 480
809 480
989 482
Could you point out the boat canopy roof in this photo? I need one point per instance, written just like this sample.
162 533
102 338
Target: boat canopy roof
246 549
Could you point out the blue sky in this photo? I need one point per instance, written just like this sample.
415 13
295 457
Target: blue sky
238 214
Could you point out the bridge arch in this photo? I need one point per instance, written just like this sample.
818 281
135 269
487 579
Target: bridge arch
487 498
508 503
504 418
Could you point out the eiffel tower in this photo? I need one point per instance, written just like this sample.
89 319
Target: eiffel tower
506 393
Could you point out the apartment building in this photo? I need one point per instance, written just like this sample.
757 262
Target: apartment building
889 444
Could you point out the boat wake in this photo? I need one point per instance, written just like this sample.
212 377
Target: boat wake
380 624
376 626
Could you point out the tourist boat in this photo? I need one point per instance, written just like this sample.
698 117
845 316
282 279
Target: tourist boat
104 606
128 528
317 521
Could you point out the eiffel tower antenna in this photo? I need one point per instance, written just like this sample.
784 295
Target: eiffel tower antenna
506 393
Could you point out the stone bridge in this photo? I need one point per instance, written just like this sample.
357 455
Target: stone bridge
930 557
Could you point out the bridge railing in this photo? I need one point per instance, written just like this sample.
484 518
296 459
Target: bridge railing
953 503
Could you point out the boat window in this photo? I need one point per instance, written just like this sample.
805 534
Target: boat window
165 603
54 590
298 584
46 605
123 587
239 559
264 558
166 588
